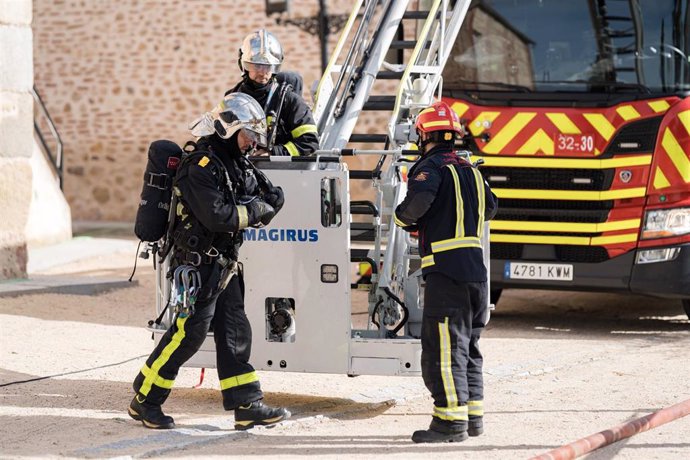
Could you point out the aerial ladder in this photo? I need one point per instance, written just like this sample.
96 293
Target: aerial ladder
389 60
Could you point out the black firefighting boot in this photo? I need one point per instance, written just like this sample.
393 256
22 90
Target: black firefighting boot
151 415
475 426
440 431
258 413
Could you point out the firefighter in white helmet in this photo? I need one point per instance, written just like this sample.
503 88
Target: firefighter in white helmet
218 198
260 58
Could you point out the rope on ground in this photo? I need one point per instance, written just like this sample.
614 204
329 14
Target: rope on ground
36 379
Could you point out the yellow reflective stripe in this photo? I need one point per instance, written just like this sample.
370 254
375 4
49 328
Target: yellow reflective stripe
481 198
628 112
446 364
660 179
601 124
157 379
399 222
451 413
459 227
677 155
475 408
304 129
567 163
243 216
455 243
573 240
292 149
570 227
581 195
508 132
243 379
659 106
564 124
427 261
269 119
432 124
175 342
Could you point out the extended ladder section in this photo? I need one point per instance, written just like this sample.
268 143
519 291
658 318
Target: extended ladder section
376 31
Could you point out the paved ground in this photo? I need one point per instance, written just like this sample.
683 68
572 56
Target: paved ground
559 366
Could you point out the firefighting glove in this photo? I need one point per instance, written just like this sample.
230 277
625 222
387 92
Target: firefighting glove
259 213
275 198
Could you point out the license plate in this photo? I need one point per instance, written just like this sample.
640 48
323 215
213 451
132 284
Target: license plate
573 143
530 271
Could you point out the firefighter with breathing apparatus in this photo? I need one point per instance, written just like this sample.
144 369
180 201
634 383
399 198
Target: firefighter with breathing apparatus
448 202
218 193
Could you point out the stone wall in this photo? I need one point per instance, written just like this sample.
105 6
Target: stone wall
116 75
16 134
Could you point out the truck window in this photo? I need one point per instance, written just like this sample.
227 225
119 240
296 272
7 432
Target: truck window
638 46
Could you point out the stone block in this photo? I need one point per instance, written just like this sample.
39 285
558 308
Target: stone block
16 12
16 124
15 195
16 58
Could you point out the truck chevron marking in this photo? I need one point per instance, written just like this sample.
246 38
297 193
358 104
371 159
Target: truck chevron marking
509 131
601 124
628 112
540 141
659 106
677 155
564 124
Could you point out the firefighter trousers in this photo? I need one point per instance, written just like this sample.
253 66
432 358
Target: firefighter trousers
454 317
224 312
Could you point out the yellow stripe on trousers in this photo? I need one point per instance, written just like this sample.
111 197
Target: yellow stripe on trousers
446 367
451 414
169 349
243 379
476 408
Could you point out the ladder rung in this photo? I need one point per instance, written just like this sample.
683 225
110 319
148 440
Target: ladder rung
363 234
379 138
620 34
407 44
379 103
416 14
389 75
356 253
364 207
617 18
363 174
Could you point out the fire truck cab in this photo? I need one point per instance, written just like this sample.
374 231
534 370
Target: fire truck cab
580 111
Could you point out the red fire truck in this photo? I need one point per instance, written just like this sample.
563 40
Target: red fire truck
580 110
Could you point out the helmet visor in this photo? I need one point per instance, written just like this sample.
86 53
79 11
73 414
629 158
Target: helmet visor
255 67
255 137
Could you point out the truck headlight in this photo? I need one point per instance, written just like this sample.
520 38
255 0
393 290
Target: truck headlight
661 223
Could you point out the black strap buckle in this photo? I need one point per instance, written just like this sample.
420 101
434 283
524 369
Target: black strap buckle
159 181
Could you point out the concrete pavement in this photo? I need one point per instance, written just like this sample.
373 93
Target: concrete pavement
81 265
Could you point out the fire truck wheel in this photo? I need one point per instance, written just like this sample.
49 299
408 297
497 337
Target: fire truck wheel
495 294
686 306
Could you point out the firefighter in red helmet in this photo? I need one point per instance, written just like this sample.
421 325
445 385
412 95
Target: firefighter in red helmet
447 202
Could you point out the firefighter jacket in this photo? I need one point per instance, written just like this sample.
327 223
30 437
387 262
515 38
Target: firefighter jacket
448 201
211 184
297 133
